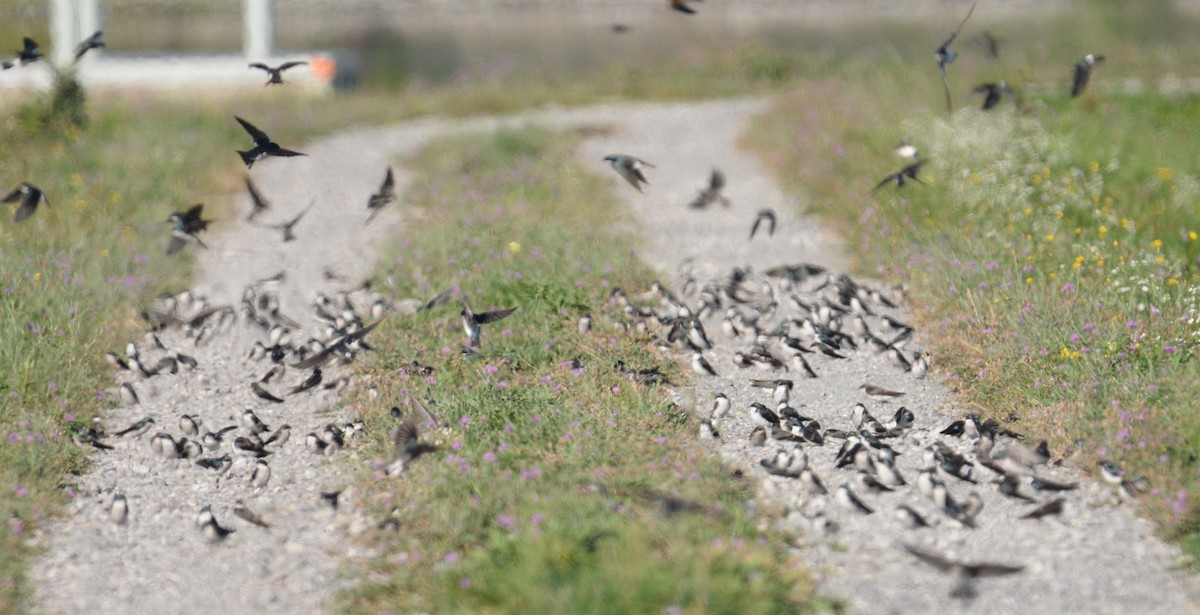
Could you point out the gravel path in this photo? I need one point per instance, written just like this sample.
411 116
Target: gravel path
1094 558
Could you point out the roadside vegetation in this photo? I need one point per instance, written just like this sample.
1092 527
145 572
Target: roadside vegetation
1053 253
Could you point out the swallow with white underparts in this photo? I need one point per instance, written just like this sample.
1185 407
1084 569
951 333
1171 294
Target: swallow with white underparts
288 227
945 56
1042 484
630 168
260 475
129 396
332 498
95 41
190 424
1111 472
849 500
720 407
280 437
26 196
220 464
186 227
212 530
249 447
781 389
786 463
386 194
905 149
701 366
811 483
708 431
343 347
1010 486
243 512
993 93
165 445
252 423
118 509
879 393
29 53
903 176
137 429
263 146
406 437
1082 73
766 216
473 322
212 441
965 572
712 193
262 393
910 516
276 73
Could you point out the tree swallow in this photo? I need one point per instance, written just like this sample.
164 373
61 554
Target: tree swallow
212 530
94 41
767 216
406 443
27 196
386 194
280 437
472 322
993 93
276 74
241 511
678 5
30 53
1042 484
252 423
340 348
910 516
263 146
258 204
966 573
720 407
137 429
187 225
118 510
711 194
879 393
1111 472
629 168
260 475
1083 72
288 226
849 500
945 56
903 176
262 393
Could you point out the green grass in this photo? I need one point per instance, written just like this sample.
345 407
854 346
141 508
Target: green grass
547 494
1053 255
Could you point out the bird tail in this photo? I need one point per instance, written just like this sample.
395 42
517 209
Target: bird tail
247 157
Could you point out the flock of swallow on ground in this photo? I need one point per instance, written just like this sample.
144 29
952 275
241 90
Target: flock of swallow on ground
832 320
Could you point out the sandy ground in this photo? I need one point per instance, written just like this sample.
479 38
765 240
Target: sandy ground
1097 557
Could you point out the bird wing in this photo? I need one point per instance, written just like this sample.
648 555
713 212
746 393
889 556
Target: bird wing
437 300
717 180
960 25
946 87
933 559
991 570
388 187
286 152
193 214
1082 72
682 7
420 412
12 197
487 317
885 181
256 198
31 45
29 203
754 229
287 65
260 137
258 65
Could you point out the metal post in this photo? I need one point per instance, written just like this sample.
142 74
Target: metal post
64 31
259 37
89 22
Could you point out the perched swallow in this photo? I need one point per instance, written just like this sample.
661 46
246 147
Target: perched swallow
260 475
1053 507
249 516
1111 472
247 447
213 531
165 445
966 573
386 194
264 394
711 194
29 54
903 176
137 429
630 168
341 347
1042 484
129 396
764 215
811 483
1010 486
263 146
945 56
880 394
287 227
212 441
220 464
252 423
187 226
118 510
910 516
276 74
849 500
27 196
472 322
720 407
678 5
1083 72
280 437
701 366
993 93
89 437
94 41
258 204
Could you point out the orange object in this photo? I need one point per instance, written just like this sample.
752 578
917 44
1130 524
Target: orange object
323 68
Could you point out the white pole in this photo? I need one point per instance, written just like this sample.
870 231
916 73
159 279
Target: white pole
259 35
89 22
64 31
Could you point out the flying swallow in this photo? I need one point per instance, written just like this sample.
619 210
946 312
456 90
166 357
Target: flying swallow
1083 72
94 41
262 393
331 498
764 215
406 442
29 54
945 56
1053 507
287 227
966 573
993 93
263 146
27 196
187 225
276 74
711 194
472 322
258 204
386 194
678 5
313 380
629 168
249 516
338 348
903 176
